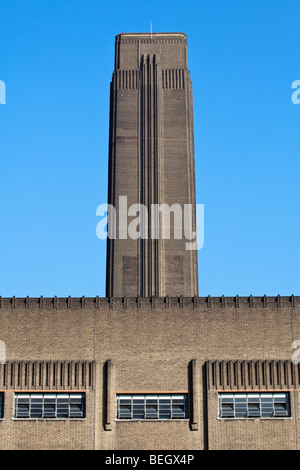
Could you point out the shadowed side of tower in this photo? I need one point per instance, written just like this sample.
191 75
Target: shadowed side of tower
151 163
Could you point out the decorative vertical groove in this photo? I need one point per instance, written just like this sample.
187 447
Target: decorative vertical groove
109 397
74 374
41 375
12 373
194 382
20 370
44 375
252 375
172 79
62 375
149 172
220 375
125 79
278 301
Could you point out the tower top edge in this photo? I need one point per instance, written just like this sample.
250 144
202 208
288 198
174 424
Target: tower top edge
149 35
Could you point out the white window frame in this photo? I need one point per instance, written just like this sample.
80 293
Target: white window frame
152 406
241 405
39 405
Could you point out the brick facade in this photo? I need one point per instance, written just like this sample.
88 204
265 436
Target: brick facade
106 346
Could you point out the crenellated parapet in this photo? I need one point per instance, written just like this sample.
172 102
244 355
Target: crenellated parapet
103 303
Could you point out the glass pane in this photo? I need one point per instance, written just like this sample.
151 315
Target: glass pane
227 400
36 414
227 406
280 406
280 400
75 400
125 407
61 413
137 415
253 406
152 408
36 407
253 399
23 407
240 406
265 414
124 415
227 414
75 407
124 401
151 412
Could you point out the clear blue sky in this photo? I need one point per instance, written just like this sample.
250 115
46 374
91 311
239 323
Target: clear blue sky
57 57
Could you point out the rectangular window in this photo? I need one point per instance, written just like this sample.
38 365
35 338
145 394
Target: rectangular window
1 405
254 405
49 405
152 406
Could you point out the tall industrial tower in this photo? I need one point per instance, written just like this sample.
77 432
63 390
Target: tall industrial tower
151 162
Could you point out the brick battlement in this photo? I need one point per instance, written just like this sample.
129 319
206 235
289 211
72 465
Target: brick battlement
90 303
